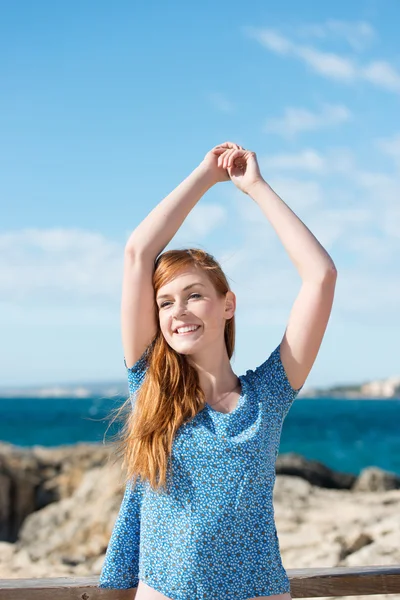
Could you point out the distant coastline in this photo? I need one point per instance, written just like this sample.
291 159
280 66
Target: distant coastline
388 389
344 395
380 389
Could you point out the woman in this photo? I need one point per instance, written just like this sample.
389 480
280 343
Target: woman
197 518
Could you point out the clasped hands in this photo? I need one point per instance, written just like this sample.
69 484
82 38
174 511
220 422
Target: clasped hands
229 161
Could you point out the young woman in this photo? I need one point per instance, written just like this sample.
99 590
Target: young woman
200 443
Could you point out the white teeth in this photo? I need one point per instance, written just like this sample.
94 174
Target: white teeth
187 329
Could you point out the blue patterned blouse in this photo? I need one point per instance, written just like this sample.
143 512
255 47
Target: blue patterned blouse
213 534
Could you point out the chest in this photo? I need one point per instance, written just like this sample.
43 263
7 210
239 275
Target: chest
247 439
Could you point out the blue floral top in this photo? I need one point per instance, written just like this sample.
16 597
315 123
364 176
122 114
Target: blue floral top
213 534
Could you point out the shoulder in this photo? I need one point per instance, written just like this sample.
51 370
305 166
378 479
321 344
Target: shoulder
137 372
266 370
269 380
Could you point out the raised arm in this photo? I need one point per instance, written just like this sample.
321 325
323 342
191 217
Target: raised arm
147 241
311 310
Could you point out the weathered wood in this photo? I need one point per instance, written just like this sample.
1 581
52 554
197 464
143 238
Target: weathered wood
305 583
60 588
344 581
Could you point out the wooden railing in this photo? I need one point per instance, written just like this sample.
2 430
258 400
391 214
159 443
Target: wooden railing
305 583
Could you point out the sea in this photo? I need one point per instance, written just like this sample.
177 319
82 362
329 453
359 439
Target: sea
345 435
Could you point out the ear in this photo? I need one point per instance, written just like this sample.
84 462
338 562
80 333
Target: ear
230 304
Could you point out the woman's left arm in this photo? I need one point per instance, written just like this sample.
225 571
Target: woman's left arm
312 308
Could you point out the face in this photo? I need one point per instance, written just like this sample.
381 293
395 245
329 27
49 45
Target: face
190 299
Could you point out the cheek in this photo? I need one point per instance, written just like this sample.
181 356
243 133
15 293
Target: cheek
204 310
162 325
211 316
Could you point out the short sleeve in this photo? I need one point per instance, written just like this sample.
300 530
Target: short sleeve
136 375
270 380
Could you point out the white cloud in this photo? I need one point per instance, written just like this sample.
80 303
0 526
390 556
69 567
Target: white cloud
358 35
339 160
382 74
272 40
391 147
369 248
58 266
329 64
324 63
300 194
296 120
371 179
333 225
200 222
74 266
367 292
266 282
391 223
347 206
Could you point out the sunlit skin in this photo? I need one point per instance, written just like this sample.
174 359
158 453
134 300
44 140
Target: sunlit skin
205 348
145 592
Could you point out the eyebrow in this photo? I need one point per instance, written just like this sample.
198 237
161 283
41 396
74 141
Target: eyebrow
184 289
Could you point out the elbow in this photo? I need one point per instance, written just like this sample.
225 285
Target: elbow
332 271
329 276
134 251
325 276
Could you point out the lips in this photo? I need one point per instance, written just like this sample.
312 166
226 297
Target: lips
187 332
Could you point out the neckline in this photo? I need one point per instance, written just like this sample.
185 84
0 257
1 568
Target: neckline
238 404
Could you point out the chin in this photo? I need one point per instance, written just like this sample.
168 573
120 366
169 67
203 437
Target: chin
184 351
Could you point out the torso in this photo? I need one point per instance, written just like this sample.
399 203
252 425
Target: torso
219 506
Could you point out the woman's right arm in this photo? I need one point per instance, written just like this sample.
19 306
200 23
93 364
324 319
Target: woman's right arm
148 240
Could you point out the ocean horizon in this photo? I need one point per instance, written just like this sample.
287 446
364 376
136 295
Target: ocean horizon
345 435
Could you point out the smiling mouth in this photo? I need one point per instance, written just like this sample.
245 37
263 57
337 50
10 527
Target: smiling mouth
187 332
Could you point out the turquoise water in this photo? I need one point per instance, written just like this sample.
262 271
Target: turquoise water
346 435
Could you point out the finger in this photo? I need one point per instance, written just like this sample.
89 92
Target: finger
234 155
224 158
218 150
228 145
227 157
221 158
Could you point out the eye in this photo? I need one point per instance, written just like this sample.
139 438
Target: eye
167 301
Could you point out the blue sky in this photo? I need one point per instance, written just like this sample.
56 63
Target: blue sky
105 108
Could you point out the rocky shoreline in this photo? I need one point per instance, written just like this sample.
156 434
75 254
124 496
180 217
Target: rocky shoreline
58 506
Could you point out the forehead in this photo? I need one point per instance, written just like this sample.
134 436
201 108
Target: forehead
182 279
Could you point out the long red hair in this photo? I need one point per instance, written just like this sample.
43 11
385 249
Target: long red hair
170 394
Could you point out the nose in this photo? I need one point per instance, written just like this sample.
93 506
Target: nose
178 309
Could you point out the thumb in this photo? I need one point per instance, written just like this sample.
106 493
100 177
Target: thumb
252 161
